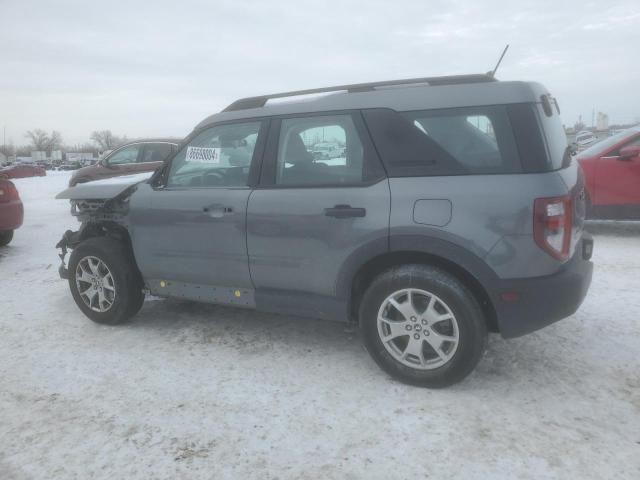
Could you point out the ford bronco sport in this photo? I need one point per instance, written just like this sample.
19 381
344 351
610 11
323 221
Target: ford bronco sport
455 210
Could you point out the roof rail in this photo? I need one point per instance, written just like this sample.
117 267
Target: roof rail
260 101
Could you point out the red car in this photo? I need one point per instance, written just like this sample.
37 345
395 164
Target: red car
21 171
11 211
612 172
134 157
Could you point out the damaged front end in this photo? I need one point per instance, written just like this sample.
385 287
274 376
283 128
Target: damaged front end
101 209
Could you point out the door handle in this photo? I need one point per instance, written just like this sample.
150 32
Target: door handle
217 211
345 211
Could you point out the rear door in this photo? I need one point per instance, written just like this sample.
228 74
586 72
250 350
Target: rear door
189 233
310 215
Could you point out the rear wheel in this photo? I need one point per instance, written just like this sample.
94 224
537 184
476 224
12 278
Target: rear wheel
5 237
104 280
422 326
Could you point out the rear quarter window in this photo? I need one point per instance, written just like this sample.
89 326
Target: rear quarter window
456 141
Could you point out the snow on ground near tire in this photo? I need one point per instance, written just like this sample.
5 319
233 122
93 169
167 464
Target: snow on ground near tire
193 391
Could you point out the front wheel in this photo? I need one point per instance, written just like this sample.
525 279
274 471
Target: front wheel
5 237
422 326
104 280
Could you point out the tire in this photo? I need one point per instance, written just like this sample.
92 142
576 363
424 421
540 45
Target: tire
136 303
442 312
117 291
6 237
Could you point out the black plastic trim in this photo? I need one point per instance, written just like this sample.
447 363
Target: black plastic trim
301 304
261 100
545 300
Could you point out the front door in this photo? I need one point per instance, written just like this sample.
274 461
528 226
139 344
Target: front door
189 233
322 198
617 185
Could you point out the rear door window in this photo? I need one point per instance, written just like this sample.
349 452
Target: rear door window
155 152
313 151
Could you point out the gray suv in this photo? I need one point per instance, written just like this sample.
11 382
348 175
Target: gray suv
454 210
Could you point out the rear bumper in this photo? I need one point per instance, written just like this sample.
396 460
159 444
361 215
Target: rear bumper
528 304
11 215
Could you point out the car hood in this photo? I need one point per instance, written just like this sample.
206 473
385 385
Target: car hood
580 156
103 189
89 169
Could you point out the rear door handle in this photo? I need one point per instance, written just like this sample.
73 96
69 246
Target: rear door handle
217 211
345 211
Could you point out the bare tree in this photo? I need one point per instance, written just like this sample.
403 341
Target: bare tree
39 139
42 141
106 140
8 149
55 141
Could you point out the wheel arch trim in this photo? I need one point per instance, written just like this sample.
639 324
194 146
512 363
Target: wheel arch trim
372 257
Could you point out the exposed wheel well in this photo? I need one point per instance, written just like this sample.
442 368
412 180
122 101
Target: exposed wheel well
112 230
365 275
106 229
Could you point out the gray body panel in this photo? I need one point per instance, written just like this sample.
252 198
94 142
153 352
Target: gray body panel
175 239
492 217
275 249
294 246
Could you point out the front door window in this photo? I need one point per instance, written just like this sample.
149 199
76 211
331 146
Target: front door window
219 156
124 155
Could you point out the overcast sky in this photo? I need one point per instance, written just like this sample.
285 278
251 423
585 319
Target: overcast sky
157 68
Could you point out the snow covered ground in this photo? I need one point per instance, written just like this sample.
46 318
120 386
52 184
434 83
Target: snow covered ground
192 391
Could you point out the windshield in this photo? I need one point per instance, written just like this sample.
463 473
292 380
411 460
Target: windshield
605 144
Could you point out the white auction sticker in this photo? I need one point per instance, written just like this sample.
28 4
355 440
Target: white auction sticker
203 154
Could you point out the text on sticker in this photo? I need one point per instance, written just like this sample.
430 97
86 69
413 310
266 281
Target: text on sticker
203 154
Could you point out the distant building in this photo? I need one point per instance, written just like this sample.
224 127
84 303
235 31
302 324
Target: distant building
602 121
38 156
41 158
79 156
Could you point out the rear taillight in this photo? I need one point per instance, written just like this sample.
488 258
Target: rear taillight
8 192
552 225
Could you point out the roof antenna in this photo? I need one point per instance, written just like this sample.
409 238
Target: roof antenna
492 73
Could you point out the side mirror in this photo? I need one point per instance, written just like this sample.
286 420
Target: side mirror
157 179
631 152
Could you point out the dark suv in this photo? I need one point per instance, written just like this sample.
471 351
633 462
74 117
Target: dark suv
454 210
133 157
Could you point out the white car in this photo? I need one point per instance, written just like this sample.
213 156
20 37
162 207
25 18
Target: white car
325 151
585 138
